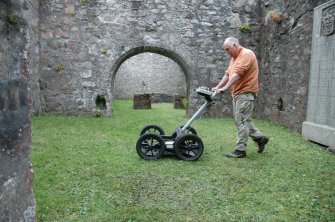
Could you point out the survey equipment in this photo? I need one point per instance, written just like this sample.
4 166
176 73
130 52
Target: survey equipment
184 141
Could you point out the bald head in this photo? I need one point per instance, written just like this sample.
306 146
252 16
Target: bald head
232 46
231 41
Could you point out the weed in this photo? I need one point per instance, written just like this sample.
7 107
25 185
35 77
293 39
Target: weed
245 27
273 16
60 67
185 103
98 112
13 20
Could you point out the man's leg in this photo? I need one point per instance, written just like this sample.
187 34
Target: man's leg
254 133
242 107
258 137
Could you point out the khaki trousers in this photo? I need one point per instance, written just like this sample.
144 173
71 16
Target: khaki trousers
243 106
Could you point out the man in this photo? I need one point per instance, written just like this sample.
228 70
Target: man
242 77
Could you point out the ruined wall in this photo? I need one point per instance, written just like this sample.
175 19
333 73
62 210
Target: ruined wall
83 44
18 63
285 52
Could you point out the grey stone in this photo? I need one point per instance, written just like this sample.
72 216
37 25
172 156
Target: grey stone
320 122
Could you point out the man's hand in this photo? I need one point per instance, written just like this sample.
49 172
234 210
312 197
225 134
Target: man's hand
216 89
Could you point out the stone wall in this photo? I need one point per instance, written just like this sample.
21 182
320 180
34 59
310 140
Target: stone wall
284 55
18 65
280 33
83 48
84 44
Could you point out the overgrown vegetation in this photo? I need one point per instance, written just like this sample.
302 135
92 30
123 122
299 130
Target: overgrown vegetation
87 169
13 19
185 103
274 16
245 27
59 67
13 22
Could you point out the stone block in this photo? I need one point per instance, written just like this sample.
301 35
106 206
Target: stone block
321 134
320 122
142 101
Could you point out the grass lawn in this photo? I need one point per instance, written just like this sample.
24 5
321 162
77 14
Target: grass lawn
87 169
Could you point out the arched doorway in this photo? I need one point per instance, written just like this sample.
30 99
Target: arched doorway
149 73
151 49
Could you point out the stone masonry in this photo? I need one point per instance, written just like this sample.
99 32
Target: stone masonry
82 50
18 64
284 55
83 44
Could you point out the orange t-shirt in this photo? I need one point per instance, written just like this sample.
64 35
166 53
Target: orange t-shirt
246 66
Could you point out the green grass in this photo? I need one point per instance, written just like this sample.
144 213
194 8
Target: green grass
87 169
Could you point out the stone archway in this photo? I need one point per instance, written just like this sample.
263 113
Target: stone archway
152 49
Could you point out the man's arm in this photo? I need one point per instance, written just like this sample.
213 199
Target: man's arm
234 77
222 83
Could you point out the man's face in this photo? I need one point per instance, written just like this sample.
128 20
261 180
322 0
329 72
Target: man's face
231 49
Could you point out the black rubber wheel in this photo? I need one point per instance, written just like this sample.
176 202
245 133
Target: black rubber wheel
152 129
189 147
150 146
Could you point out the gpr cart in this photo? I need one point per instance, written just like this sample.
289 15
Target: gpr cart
184 141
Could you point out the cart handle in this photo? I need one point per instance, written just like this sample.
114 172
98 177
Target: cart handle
209 96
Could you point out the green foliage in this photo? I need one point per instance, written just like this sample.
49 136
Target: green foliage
60 67
84 1
185 103
87 169
98 112
13 20
245 27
